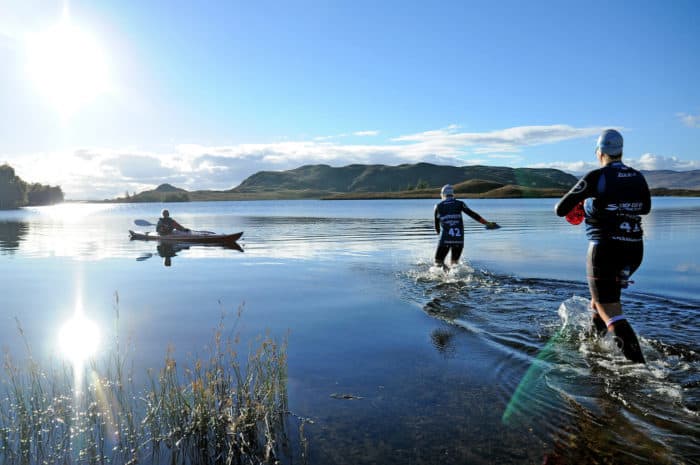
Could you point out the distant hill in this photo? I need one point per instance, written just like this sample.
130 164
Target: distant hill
163 193
168 188
383 178
468 189
420 180
673 179
476 186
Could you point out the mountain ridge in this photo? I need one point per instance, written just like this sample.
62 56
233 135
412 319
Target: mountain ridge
670 179
386 178
419 180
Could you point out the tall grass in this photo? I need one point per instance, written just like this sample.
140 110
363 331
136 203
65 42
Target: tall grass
213 410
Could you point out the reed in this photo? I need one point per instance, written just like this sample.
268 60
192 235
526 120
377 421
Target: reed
218 409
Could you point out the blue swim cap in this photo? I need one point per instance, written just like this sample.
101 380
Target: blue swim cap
610 142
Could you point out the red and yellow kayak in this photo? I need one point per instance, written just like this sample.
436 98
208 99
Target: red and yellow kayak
193 237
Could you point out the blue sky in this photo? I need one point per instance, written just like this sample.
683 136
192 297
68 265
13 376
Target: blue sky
203 94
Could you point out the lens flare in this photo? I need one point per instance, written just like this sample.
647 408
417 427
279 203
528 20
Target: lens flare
79 339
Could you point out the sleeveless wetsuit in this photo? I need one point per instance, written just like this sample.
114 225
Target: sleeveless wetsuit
448 222
614 196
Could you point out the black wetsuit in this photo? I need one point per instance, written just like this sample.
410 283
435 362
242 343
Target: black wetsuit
614 196
448 223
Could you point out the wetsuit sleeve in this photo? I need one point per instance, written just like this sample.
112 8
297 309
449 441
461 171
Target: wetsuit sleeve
472 214
436 217
583 189
646 199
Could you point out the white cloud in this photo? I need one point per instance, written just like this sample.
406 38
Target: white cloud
340 136
649 161
453 143
503 140
505 157
575 167
365 133
692 121
137 167
101 173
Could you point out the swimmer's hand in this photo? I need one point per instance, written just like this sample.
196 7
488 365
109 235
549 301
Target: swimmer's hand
492 225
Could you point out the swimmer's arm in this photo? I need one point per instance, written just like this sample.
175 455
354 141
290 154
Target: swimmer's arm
646 200
580 192
436 217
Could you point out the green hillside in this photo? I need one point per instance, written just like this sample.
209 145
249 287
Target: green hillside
376 181
420 180
383 178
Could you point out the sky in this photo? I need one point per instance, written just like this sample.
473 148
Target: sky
104 97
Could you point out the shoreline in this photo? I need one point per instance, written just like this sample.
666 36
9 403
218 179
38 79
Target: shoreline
657 192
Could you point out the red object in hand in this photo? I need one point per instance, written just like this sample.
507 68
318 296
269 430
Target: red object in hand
576 215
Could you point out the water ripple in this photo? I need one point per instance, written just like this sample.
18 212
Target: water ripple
583 384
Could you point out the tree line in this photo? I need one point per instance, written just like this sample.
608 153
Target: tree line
15 192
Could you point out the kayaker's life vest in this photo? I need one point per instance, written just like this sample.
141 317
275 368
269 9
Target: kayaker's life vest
165 226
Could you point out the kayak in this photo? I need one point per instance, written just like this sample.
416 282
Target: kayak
189 238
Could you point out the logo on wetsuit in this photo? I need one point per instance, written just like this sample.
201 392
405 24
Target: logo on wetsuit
579 187
625 207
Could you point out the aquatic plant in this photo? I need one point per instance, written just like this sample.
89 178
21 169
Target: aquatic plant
217 409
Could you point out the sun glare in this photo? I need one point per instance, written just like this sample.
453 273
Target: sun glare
79 339
67 65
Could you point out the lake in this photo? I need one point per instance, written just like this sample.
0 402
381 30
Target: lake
393 361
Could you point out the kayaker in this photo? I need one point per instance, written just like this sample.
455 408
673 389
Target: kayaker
448 223
167 225
613 196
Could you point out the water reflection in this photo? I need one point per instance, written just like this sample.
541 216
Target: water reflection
443 340
11 234
428 394
167 251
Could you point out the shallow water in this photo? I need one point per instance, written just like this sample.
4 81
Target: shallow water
393 360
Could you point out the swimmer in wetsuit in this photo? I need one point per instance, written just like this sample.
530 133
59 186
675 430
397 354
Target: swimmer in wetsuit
448 223
614 196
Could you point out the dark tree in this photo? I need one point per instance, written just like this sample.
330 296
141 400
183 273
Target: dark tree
15 193
12 189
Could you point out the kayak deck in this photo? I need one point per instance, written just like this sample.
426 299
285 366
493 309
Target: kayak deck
191 238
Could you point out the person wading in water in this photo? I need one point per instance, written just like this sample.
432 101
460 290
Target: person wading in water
611 199
449 225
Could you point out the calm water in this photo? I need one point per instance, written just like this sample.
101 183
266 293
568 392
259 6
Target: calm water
487 364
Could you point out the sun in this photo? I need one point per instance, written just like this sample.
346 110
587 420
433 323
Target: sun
78 339
67 65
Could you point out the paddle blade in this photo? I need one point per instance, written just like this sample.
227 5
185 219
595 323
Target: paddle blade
143 223
576 215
